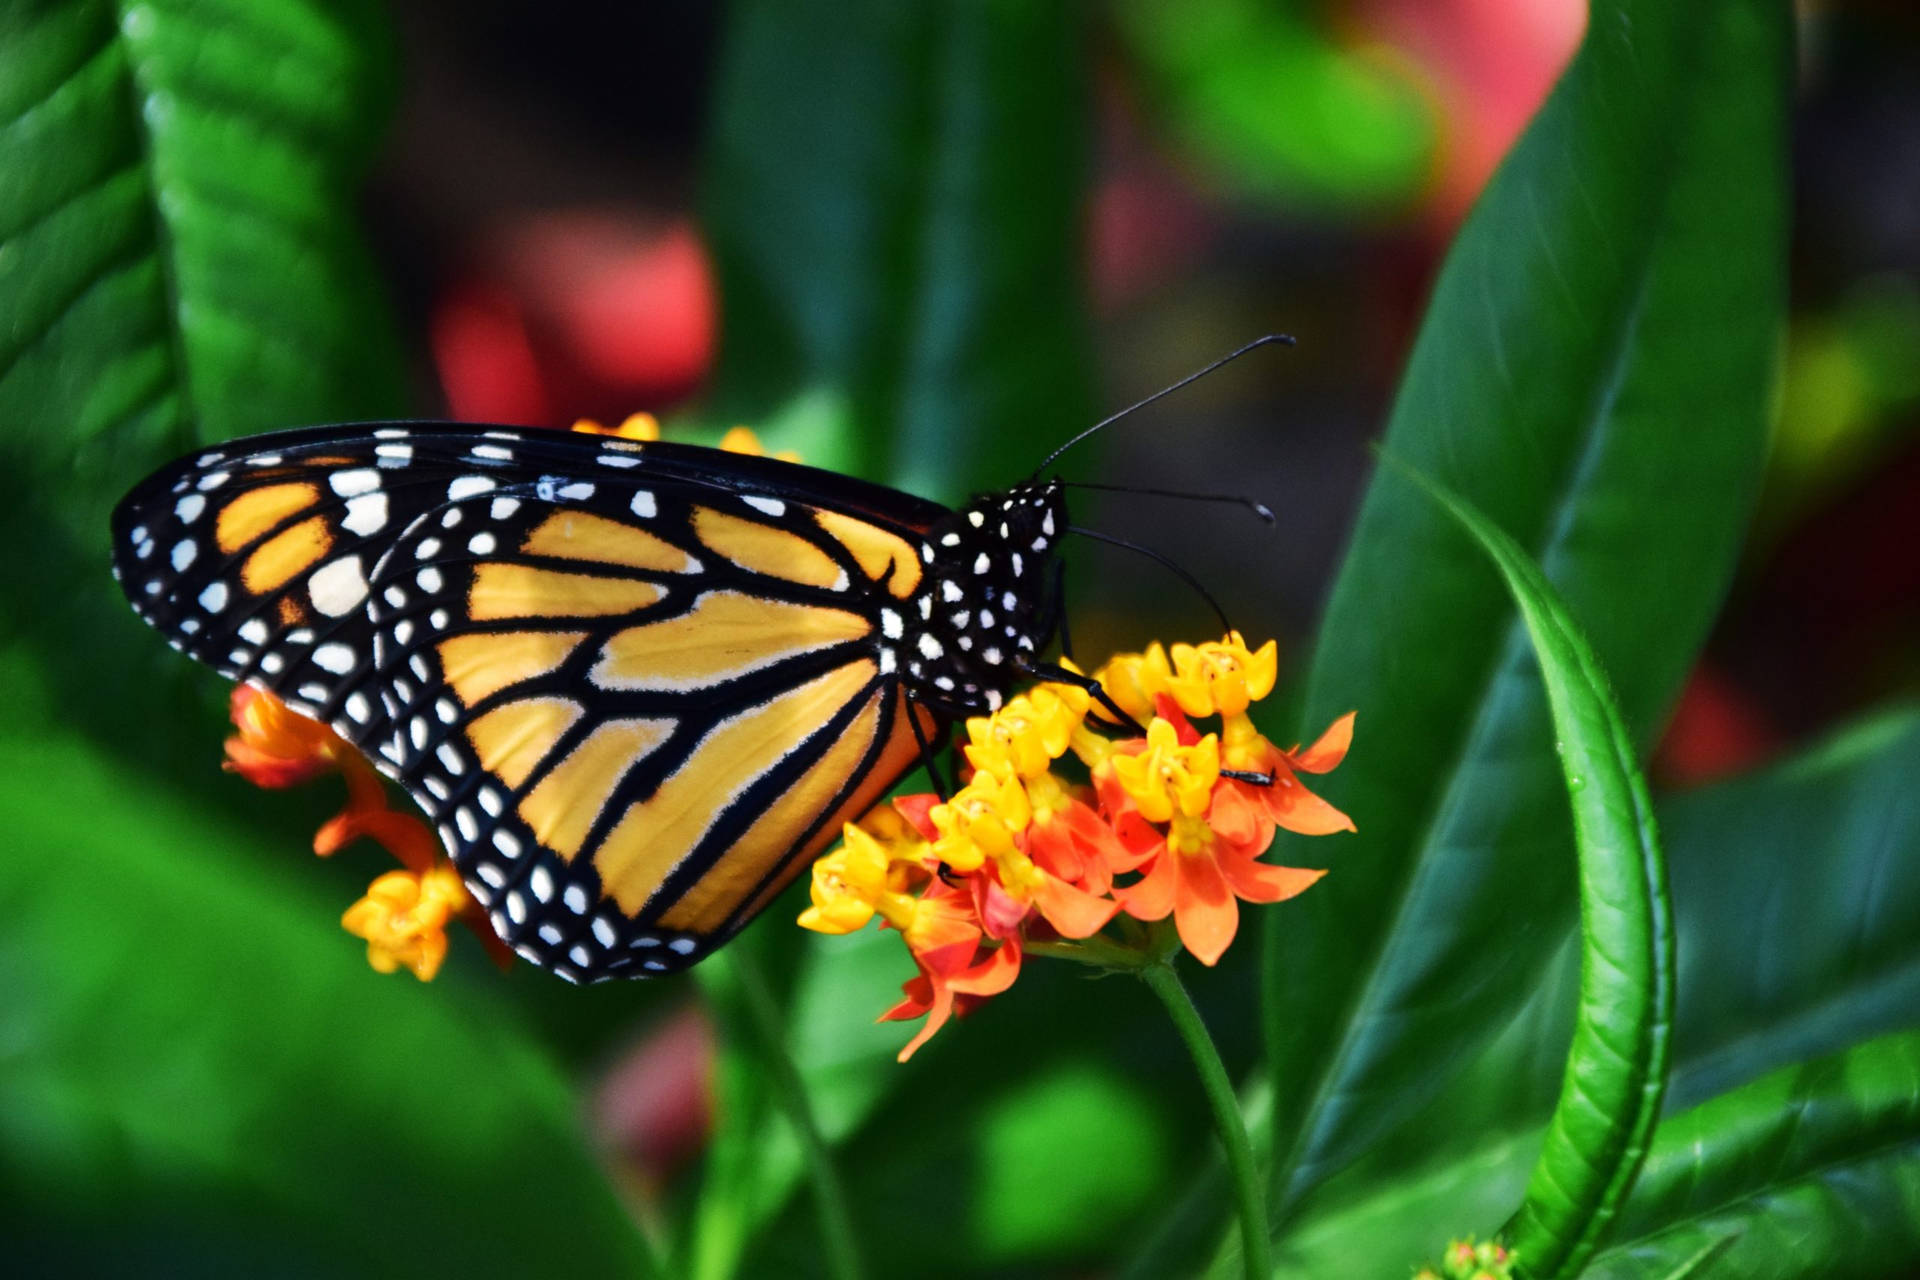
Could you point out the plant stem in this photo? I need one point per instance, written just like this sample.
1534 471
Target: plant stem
1256 1250
790 1094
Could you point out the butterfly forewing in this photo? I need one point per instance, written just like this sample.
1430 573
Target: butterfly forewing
634 692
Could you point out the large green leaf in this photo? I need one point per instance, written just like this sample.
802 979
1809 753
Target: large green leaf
1593 374
201 1075
1813 1170
1617 1068
894 201
179 262
1798 915
1799 903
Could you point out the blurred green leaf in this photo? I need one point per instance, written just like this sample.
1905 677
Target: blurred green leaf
1799 904
832 992
1798 919
179 263
1593 373
198 1071
1813 1170
1617 1068
894 202
1273 103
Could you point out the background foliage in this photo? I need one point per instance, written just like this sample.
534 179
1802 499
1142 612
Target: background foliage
196 1074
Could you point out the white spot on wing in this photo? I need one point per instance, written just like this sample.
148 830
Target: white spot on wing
366 513
350 484
337 658
338 588
468 486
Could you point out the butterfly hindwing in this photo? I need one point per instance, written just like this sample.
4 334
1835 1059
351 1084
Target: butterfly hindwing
634 691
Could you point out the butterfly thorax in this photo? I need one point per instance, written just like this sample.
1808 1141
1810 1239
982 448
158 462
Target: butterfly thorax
988 602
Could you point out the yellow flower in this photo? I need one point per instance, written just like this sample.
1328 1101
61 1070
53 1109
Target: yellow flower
849 884
1168 778
1025 737
980 821
1222 677
743 440
404 919
638 426
1132 680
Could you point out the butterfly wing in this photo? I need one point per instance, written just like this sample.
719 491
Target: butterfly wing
636 686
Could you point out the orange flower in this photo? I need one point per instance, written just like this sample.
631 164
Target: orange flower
1022 858
1200 877
404 913
404 919
1248 812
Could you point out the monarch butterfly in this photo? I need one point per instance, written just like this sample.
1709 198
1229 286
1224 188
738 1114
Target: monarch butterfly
637 686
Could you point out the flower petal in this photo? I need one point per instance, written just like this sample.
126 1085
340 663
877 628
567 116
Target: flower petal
1074 912
1151 897
1253 881
1297 809
1204 910
1329 750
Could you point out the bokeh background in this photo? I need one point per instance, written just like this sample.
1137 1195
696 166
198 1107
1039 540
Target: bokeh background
553 217
1251 168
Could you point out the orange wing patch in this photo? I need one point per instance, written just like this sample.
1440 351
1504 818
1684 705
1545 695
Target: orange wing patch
761 548
479 665
725 634
705 907
512 740
561 809
884 557
258 510
522 591
658 833
286 553
575 535
896 756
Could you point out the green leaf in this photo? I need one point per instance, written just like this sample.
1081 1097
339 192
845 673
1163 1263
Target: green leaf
1813 1170
894 202
179 262
200 1073
1798 921
1617 1068
1593 373
1798 898
1276 104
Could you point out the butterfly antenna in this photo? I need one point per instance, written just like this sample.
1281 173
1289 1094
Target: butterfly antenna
1259 509
1164 562
1270 339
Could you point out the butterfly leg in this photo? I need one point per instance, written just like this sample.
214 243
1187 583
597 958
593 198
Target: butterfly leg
929 758
1061 675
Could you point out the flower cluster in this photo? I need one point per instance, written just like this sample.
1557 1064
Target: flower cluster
1169 823
1465 1260
404 914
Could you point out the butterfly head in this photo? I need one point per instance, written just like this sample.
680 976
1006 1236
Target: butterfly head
989 601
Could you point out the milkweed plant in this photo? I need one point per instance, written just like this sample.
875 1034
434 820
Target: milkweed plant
1383 957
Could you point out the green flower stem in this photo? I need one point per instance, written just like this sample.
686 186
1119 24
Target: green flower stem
790 1094
1256 1251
